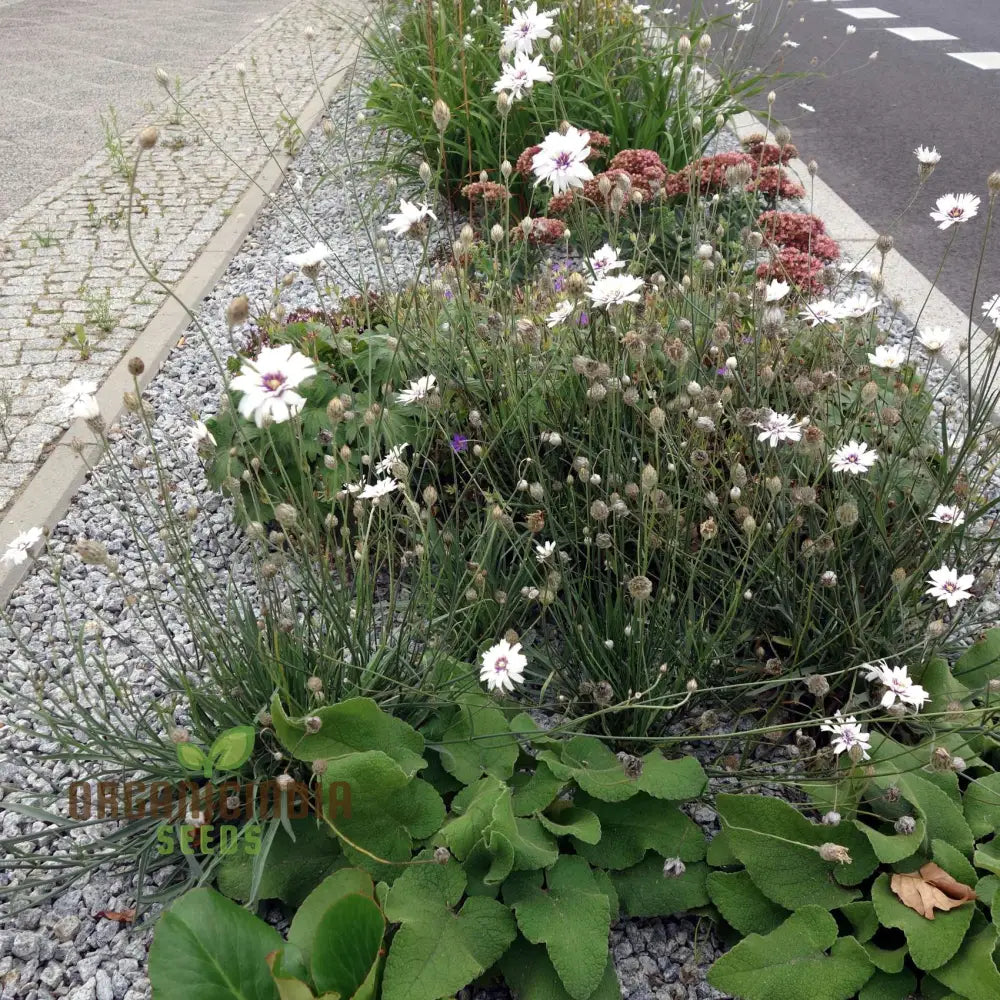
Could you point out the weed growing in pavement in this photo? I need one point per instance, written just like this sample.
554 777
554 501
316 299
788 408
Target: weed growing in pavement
98 310
115 147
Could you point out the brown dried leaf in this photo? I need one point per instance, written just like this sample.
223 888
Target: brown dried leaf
930 889
120 916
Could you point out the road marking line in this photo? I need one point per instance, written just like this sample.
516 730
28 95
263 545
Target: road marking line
981 60
865 13
923 34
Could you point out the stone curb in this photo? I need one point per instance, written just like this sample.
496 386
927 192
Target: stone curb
47 496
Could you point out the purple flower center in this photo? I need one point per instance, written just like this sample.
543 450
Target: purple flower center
459 442
501 665
564 161
273 381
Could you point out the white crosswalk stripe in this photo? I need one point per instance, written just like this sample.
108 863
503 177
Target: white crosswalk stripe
981 60
923 34
866 13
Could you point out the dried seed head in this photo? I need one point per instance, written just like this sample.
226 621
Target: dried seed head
905 825
673 867
441 855
836 853
286 515
314 684
817 685
148 137
631 765
238 311
640 588
884 243
832 818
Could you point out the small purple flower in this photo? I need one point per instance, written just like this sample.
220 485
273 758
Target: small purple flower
722 371
558 284
459 443
449 294
584 319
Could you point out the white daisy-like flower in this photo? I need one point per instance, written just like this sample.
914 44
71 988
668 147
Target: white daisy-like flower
560 314
518 77
392 456
409 220
991 310
856 306
544 551
79 399
268 385
418 390
605 260
854 458
310 258
503 666
934 338
948 585
927 157
778 427
615 290
888 357
789 44
201 437
776 290
851 28
954 208
846 734
561 160
823 311
380 488
527 27
898 685
21 545
806 107
950 514
745 27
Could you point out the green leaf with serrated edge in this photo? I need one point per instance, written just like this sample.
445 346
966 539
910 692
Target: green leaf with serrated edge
986 889
680 779
589 762
288 987
232 748
437 949
389 811
644 892
536 790
980 663
528 971
973 973
471 813
342 883
931 942
572 821
863 920
207 948
637 825
347 944
953 862
477 740
987 856
885 986
981 803
769 837
886 959
892 847
534 847
291 869
486 867
791 962
192 758
719 854
742 905
570 915
351 726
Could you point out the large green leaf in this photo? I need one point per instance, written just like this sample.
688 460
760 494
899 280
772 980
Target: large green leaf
980 663
572 821
892 847
346 948
678 779
207 948
476 740
886 986
536 790
357 724
568 912
791 962
742 904
438 949
346 882
471 813
644 892
942 814
532 976
589 762
982 805
972 973
533 846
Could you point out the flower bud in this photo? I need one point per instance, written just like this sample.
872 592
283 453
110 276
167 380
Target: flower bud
425 172
441 115
148 137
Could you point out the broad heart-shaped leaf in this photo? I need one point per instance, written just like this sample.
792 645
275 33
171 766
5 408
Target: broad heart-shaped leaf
886 986
207 948
535 791
943 816
644 892
742 905
981 802
334 887
389 810
357 724
528 971
572 821
931 942
791 962
347 944
636 825
232 748
679 779
291 869
980 663
471 813
589 762
570 915
892 847
436 950
533 846
765 834
972 973
477 740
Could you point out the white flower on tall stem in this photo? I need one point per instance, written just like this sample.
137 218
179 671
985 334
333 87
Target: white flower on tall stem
615 290
854 458
79 399
846 734
934 338
778 427
560 314
380 488
991 310
21 545
410 219
605 260
309 259
503 666
561 160
392 456
946 584
544 551
418 391
898 685
856 306
888 357
950 514
521 75
268 384
201 437
823 311
776 290
527 27
955 208
927 157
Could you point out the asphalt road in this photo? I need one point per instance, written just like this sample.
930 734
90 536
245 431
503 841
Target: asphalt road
64 64
870 115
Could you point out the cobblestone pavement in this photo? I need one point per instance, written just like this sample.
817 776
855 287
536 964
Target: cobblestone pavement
72 295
